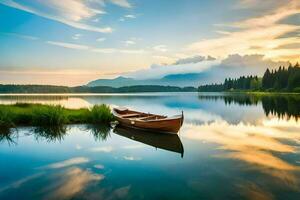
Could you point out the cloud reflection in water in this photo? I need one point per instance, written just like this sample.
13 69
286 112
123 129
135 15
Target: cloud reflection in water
261 146
70 182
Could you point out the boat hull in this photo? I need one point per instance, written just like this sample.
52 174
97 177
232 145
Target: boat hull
167 125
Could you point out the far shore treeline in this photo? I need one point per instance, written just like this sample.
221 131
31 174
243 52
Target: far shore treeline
280 80
13 89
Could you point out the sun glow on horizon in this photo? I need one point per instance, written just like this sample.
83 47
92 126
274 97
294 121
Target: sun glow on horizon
73 43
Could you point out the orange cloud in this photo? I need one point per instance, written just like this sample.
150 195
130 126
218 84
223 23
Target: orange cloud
263 31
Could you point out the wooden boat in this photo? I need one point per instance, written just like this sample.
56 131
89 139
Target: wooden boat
147 121
169 142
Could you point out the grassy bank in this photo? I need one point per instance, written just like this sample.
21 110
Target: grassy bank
50 115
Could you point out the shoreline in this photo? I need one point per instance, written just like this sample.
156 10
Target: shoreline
256 93
144 93
91 94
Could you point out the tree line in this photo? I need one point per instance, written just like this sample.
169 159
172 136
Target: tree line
281 79
5 89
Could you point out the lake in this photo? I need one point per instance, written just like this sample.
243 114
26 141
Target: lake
229 147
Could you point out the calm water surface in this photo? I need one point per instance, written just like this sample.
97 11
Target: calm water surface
230 147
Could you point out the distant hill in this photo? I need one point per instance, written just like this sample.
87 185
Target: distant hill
181 80
116 82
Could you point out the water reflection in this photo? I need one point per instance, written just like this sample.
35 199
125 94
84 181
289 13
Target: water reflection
64 183
8 135
169 142
69 182
278 105
50 133
55 99
100 132
231 151
263 147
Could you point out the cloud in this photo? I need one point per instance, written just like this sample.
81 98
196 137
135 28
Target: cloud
159 71
122 19
113 50
122 3
98 50
258 145
160 48
212 70
104 50
102 149
76 36
70 12
289 8
256 62
67 163
129 42
252 190
193 59
289 46
67 184
96 20
133 51
99 166
20 182
130 16
68 45
131 158
26 37
236 65
100 39
258 5
61 184
264 31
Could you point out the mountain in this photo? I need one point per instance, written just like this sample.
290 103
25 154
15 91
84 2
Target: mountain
182 80
116 82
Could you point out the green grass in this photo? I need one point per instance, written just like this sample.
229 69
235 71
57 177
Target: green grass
51 115
6 118
100 113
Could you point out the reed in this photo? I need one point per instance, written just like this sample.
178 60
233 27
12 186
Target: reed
49 116
52 115
100 114
6 119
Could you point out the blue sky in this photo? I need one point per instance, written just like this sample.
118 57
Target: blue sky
73 41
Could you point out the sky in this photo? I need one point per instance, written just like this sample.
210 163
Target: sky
72 42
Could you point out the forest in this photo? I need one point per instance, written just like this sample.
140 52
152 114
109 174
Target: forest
278 80
14 89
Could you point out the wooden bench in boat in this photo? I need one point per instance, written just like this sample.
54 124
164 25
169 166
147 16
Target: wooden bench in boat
131 115
150 117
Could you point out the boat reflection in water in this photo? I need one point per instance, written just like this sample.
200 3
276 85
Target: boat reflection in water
169 142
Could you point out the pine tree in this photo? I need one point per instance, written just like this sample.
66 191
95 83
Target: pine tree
266 79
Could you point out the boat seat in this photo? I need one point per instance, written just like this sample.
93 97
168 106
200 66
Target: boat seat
147 117
155 117
131 115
